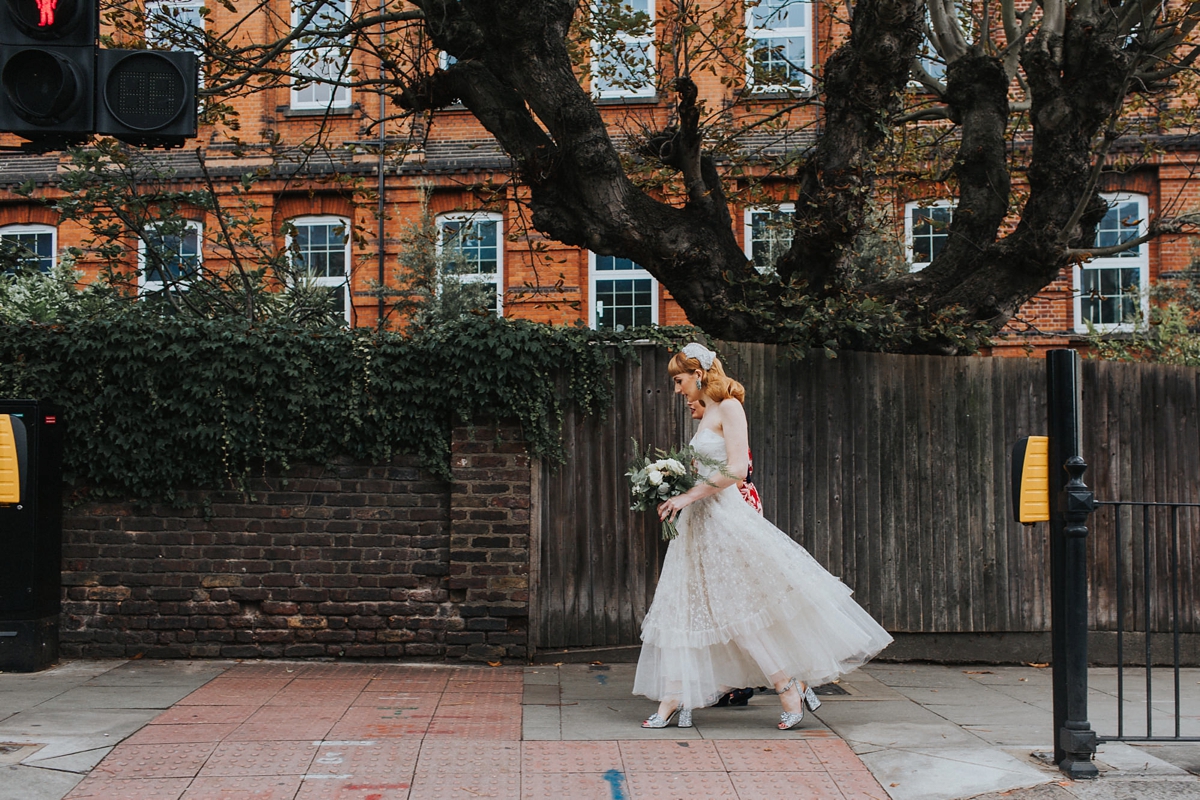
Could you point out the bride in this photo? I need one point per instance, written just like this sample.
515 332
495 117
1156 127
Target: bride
738 600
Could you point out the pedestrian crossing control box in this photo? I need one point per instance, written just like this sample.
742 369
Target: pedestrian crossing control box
30 534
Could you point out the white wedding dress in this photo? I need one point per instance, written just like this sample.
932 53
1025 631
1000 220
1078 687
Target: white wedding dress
738 602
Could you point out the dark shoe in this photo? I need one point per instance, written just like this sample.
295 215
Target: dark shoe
737 697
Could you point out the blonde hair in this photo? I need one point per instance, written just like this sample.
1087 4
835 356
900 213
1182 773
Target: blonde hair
716 384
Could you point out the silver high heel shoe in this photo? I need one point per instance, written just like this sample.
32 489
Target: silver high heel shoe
811 700
656 721
790 719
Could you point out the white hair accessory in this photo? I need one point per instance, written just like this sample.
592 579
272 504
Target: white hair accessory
700 353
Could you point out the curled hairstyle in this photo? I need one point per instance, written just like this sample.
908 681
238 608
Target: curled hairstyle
716 384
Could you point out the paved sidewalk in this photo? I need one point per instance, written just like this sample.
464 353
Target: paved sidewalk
300 730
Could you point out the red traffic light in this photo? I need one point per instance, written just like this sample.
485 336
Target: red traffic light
46 12
61 21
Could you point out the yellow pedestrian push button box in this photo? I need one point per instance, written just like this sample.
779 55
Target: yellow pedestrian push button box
12 459
1031 479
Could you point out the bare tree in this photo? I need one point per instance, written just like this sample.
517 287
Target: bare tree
1039 95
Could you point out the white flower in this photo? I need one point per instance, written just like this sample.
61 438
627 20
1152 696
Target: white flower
654 476
674 467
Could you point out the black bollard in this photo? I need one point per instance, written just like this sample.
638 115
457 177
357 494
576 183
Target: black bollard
1074 739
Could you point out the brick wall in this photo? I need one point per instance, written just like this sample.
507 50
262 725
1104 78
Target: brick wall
351 560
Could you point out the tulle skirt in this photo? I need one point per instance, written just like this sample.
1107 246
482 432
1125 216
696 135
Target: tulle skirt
739 602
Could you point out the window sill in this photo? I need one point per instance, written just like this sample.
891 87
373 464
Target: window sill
340 111
632 100
776 92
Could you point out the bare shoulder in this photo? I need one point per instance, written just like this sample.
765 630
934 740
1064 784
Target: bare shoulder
731 409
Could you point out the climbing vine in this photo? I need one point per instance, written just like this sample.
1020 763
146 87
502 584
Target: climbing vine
155 404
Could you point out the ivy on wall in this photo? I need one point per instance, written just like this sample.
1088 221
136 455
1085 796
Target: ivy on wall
157 404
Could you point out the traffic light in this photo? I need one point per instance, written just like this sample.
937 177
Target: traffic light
146 96
47 63
57 88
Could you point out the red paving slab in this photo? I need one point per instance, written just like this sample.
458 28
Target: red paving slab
597 757
276 787
777 755
393 732
354 789
694 755
178 734
155 760
685 786
101 787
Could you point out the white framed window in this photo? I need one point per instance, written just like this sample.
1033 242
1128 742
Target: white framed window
471 247
34 246
623 61
767 234
175 25
169 257
624 295
1111 291
926 229
320 250
319 61
779 34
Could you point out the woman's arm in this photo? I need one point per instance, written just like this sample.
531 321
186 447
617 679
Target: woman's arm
737 446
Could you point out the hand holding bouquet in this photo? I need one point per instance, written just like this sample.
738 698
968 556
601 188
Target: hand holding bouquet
659 475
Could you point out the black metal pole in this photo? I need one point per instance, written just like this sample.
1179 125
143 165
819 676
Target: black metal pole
1074 739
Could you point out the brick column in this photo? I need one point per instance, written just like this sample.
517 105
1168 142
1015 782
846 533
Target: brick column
489 545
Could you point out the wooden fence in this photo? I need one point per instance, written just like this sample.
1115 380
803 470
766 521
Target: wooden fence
893 471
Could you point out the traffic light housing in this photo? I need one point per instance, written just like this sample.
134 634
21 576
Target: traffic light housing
57 87
47 67
146 97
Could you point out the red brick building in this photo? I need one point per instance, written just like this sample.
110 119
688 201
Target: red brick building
345 211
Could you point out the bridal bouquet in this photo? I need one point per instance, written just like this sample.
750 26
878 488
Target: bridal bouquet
659 475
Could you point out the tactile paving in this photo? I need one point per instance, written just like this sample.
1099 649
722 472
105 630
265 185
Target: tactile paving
275 787
574 785
691 756
343 672
464 755
204 715
768 756
457 786
353 789
176 734
282 723
243 759
836 755
570 757
360 723
776 785
101 787
366 758
155 760
231 694
267 669
316 693
415 683
489 683
685 786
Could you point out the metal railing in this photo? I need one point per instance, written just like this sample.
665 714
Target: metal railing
1151 597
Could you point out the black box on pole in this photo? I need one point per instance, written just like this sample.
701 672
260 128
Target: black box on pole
30 536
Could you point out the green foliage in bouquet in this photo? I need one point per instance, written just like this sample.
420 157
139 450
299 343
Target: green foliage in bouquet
657 475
